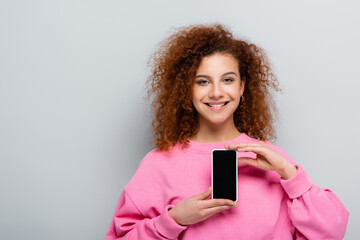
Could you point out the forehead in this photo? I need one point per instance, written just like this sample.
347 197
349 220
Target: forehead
218 63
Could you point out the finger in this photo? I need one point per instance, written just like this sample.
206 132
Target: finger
248 161
211 211
203 195
248 149
256 149
218 202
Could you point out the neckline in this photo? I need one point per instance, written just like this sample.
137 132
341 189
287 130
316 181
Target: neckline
208 147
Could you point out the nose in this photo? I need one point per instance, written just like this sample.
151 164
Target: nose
216 91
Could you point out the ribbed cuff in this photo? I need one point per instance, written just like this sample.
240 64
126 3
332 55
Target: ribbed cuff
298 184
167 226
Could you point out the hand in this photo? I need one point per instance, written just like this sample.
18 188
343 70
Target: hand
267 158
197 208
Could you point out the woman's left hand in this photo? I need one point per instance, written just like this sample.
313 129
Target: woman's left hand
266 159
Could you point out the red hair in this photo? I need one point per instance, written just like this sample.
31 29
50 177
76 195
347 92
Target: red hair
174 66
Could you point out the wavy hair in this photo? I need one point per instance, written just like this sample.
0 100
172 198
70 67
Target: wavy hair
173 68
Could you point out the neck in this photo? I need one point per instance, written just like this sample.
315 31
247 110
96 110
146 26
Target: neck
210 133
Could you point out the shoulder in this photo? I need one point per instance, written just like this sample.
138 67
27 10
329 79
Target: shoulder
154 164
150 178
156 157
147 174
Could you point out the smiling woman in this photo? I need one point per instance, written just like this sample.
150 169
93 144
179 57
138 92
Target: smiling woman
174 68
212 91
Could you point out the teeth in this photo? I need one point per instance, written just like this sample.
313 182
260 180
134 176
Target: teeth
217 105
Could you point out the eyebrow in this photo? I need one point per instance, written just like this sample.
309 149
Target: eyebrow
206 76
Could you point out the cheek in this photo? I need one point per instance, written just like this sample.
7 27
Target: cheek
197 94
194 100
235 93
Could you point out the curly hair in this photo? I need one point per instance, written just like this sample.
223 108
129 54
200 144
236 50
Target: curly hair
173 68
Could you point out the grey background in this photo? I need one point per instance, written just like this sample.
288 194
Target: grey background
74 124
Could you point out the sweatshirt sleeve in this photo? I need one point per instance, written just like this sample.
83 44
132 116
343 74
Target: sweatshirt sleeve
129 223
316 213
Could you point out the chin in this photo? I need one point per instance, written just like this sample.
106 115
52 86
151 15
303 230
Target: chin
217 122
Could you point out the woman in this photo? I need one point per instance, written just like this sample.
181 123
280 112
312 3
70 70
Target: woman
213 91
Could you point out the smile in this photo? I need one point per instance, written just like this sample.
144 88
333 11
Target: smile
216 105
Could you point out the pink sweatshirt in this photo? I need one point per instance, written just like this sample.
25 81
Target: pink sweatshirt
269 207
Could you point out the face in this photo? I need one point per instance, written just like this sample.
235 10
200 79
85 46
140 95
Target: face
217 89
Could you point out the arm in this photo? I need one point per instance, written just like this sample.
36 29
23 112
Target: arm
316 213
144 210
129 223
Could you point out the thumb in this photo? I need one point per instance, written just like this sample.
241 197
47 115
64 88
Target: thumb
203 195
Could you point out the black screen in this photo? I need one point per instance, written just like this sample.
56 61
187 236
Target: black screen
224 167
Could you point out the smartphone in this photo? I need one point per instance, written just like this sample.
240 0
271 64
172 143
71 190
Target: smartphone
224 174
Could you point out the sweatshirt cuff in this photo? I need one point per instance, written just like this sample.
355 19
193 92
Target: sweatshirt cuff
167 226
298 184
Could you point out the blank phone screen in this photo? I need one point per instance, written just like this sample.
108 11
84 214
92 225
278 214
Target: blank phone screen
224 174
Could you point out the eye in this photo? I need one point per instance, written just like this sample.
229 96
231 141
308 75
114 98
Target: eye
228 80
203 82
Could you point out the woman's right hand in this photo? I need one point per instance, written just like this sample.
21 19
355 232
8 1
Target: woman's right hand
197 208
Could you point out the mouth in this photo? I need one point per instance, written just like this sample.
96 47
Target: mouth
217 105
